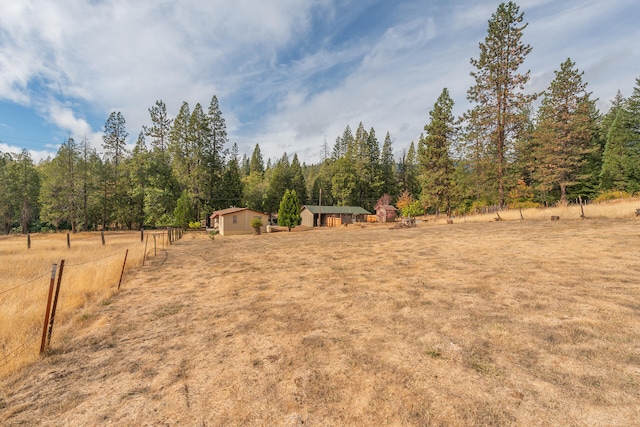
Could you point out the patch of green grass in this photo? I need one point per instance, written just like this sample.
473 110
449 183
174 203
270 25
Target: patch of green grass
167 310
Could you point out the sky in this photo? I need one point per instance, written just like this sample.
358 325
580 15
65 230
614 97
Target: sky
289 75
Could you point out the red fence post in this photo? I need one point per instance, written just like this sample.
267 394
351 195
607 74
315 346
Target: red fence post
123 264
46 315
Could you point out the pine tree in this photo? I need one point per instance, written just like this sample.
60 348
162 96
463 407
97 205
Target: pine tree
289 211
564 133
59 193
24 187
495 122
138 175
436 165
408 171
387 168
279 182
257 163
298 182
231 191
114 145
621 158
215 152
160 128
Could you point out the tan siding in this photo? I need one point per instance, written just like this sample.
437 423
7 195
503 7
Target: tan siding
307 218
242 224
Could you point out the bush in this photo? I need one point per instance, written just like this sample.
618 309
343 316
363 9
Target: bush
256 223
611 195
523 205
195 225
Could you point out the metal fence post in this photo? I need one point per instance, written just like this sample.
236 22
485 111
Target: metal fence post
46 315
123 264
55 302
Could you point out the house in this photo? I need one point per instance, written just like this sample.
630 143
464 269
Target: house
331 215
386 213
234 221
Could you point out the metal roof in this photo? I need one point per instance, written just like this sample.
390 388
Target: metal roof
353 210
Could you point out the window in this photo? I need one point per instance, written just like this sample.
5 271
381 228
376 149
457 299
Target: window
235 219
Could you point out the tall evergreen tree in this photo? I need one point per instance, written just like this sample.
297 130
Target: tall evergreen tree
495 122
621 158
387 168
160 126
215 152
24 188
408 171
436 165
114 145
298 182
564 135
59 193
257 163
279 182
289 210
231 191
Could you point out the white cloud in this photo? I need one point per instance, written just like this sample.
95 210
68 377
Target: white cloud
75 60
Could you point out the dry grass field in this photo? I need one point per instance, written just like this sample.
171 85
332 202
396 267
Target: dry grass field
477 323
91 273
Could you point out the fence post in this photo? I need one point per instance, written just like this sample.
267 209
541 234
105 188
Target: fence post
102 236
123 264
169 235
55 302
46 315
28 241
155 252
68 241
141 234
144 257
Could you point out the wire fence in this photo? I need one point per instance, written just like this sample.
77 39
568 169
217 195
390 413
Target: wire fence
79 284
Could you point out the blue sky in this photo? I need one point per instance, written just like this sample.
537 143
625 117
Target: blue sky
289 74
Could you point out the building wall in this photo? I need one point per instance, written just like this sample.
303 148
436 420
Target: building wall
242 223
307 218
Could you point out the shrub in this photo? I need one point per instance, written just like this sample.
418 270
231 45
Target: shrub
611 195
195 225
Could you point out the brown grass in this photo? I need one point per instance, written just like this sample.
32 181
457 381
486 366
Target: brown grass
614 209
91 273
509 323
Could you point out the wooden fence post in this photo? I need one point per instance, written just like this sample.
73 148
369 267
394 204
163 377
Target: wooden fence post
169 235
141 235
102 235
68 241
46 315
55 302
155 251
123 264
28 241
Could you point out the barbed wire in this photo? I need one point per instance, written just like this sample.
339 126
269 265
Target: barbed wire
24 284
91 261
17 351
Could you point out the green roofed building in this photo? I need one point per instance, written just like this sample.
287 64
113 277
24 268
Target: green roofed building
332 215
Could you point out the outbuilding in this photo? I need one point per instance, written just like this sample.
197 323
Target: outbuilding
234 221
332 215
386 213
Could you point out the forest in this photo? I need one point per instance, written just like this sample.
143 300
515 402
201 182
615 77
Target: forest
510 149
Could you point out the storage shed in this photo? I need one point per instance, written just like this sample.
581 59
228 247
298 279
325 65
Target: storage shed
386 213
332 215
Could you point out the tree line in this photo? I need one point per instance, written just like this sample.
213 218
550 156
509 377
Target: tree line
501 152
